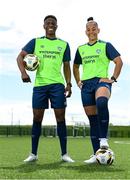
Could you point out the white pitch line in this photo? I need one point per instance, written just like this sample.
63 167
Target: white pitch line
122 142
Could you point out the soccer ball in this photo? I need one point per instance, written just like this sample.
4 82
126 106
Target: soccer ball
105 156
31 62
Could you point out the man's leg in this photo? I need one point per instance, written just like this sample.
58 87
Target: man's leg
36 128
61 129
36 132
62 133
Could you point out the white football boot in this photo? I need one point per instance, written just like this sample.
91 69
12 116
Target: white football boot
31 158
92 160
66 158
103 143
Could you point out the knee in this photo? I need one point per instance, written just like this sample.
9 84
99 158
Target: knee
102 102
38 115
37 118
60 115
90 110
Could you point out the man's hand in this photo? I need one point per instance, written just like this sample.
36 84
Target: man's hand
68 91
25 78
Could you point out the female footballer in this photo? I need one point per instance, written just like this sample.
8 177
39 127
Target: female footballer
95 84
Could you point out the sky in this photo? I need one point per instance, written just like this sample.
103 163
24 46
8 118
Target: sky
22 20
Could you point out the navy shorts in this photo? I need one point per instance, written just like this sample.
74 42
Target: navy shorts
54 93
89 89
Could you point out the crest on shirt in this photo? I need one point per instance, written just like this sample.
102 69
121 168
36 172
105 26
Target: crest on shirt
42 46
59 48
98 51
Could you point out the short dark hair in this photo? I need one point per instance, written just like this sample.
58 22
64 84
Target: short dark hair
50 16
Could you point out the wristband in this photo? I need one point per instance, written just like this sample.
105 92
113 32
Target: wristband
113 78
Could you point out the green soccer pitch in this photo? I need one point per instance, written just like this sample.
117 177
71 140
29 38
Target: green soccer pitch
13 150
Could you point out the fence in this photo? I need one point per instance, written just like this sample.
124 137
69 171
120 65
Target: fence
83 131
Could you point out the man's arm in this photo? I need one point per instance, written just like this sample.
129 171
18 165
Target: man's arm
25 77
67 75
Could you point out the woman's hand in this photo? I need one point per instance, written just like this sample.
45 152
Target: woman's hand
80 84
106 80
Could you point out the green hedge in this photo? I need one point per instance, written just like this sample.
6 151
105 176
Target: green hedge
114 131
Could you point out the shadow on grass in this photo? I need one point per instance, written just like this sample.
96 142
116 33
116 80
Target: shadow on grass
91 168
32 167
36 166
